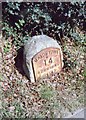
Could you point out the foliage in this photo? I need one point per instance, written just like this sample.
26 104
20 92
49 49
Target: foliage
84 73
56 96
46 92
7 47
78 37
55 19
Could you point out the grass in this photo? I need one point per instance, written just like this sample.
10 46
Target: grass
46 92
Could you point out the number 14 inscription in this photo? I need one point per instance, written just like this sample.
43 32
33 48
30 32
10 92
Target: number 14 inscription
46 62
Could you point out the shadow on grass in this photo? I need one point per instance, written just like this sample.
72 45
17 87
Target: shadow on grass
19 61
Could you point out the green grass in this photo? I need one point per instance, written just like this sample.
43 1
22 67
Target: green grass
46 92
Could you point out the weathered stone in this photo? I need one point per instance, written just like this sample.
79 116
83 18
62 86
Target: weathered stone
42 57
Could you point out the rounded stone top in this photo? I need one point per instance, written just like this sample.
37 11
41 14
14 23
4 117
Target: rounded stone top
42 55
38 43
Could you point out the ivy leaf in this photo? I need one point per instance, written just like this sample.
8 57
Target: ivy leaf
17 25
21 22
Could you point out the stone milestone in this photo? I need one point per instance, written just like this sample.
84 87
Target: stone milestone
42 57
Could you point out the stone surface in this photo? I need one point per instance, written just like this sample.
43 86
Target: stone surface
42 57
81 113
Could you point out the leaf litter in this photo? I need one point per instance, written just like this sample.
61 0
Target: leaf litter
54 97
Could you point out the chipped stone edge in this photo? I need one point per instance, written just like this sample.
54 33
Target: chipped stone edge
77 112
